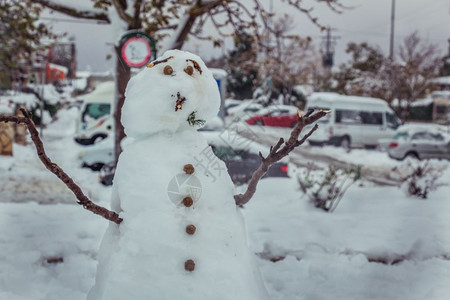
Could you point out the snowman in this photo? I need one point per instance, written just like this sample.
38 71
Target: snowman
182 236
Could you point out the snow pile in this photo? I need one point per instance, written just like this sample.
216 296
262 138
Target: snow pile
378 244
29 100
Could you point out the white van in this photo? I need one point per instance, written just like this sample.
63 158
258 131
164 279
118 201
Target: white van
95 121
353 121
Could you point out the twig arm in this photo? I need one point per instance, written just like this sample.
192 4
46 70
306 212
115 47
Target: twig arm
55 169
279 151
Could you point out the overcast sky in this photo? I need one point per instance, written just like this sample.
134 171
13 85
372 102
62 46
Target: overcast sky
367 20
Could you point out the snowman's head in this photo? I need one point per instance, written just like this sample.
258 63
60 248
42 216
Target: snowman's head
173 93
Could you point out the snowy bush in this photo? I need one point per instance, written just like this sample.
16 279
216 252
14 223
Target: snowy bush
421 177
326 188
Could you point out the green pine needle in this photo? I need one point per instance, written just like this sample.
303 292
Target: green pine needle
193 121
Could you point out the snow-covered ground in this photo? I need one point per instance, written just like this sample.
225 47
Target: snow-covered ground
378 244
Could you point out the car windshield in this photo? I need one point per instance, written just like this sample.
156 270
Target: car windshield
401 135
392 121
230 154
94 111
225 153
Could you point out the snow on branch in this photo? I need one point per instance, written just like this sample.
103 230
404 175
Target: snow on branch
55 169
280 150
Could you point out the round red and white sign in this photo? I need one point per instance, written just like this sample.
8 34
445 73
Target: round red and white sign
136 49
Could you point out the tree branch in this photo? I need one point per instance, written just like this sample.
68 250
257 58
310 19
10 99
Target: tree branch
55 169
73 12
279 151
120 8
195 11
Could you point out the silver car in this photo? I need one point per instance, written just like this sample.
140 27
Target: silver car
420 144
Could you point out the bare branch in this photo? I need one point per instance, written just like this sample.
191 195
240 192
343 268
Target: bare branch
195 11
55 169
279 151
74 12
119 5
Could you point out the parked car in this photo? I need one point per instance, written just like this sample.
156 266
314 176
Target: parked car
241 157
95 121
230 103
276 115
382 144
244 110
353 121
241 164
98 155
106 174
419 143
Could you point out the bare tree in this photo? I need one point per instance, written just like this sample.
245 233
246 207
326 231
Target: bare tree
370 73
287 59
419 63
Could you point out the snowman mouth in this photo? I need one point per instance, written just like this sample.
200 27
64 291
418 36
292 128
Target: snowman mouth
180 101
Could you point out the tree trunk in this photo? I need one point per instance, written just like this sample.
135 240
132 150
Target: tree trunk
123 75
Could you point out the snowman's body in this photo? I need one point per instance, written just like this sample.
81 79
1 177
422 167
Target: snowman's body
146 256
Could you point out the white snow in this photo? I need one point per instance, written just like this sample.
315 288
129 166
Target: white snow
29 100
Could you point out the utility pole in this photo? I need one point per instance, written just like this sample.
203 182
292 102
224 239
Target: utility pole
391 45
328 43
449 48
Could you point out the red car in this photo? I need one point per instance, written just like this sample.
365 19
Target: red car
277 115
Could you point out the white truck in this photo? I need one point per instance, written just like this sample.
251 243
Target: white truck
353 121
95 121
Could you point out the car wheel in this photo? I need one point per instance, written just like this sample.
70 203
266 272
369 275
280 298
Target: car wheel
315 143
345 143
97 138
96 166
412 155
293 124
259 122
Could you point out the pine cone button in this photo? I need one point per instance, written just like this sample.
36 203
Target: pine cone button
190 229
189 169
187 201
189 265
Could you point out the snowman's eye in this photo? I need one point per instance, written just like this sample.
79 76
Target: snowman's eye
189 70
168 70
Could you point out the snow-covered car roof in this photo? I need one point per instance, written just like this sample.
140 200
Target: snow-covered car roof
415 127
290 108
244 105
332 97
